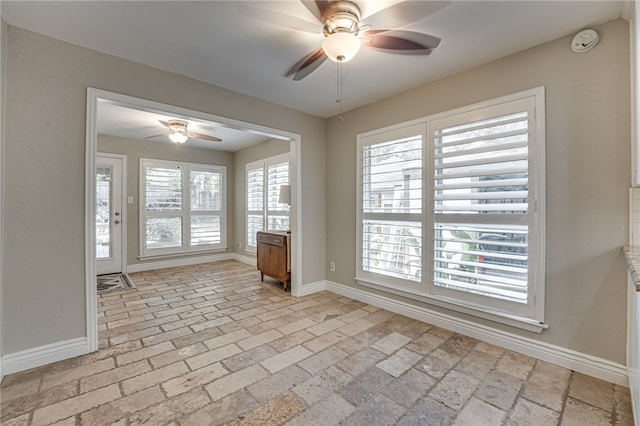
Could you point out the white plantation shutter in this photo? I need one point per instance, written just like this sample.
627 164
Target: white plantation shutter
206 207
163 188
182 207
264 211
451 209
255 202
391 219
277 213
483 224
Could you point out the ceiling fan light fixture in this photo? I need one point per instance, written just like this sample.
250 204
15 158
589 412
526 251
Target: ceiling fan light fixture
341 46
178 137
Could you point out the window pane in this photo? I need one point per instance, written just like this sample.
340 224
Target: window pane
489 260
206 190
163 232
392 248
103 212
205 230
278 174
278 223
255 189
255 223
163 189
482 167
392 177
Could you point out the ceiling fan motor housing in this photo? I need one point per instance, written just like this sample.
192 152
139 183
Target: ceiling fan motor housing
341 16
178 126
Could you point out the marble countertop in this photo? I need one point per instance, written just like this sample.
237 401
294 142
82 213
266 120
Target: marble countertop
632 253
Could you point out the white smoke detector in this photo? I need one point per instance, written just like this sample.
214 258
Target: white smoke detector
584 41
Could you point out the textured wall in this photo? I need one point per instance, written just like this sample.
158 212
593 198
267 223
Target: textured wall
588 168
47 80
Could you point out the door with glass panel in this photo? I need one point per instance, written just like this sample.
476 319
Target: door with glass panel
108 215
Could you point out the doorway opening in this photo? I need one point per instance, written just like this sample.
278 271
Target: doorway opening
96 97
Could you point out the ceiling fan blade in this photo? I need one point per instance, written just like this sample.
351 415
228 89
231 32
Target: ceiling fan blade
164 123
204 137
280 19
315 7
307 65
404 13
155 136
401 41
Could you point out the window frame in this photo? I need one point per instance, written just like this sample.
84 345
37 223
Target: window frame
185 213
266 212
368 139
533 318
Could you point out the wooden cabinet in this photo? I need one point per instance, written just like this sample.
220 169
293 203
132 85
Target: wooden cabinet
273 256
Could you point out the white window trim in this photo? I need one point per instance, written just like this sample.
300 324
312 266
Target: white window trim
537 203
185 213
264 165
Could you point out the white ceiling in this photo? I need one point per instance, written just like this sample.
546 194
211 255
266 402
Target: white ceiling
222 43
126 122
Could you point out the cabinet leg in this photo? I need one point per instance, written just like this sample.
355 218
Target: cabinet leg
261 277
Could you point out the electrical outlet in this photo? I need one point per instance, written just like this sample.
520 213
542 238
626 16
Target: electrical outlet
239 245
332 266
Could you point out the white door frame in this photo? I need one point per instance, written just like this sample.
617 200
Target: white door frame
93 95
123 206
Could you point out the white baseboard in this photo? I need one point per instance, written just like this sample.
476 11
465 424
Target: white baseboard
42 355
583 363
306 289
252 261
187 261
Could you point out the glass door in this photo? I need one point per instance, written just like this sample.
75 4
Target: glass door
108 215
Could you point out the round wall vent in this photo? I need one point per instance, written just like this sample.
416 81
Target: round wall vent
584 41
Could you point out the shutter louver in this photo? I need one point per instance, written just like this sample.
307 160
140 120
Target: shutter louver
391 205
481 169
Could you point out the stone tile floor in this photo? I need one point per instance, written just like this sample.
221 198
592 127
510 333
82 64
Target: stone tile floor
211 344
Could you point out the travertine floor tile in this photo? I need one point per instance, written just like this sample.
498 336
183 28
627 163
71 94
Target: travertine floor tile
528 413
329 411
212 345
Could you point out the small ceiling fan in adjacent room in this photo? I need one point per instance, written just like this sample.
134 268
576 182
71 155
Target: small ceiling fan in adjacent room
345 32
179 132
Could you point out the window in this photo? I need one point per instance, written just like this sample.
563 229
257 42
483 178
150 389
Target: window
477 243
264 211
392 222
181 208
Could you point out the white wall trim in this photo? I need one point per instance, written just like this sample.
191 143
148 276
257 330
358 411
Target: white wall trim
251 261
187 261
90 153
46 354
564 357
306 289
174 263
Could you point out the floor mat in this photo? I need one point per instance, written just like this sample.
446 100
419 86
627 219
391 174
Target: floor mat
113 282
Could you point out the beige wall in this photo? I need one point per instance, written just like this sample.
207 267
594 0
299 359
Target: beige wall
137 149
588 169
47 80
241 158
3 78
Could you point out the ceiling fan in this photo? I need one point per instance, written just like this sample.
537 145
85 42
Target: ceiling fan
179 132
344 31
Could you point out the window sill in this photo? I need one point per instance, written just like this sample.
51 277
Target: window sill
485 313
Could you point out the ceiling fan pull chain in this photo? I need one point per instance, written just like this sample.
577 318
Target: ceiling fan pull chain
339 89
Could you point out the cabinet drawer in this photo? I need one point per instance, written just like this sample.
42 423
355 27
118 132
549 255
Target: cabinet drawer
271 239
